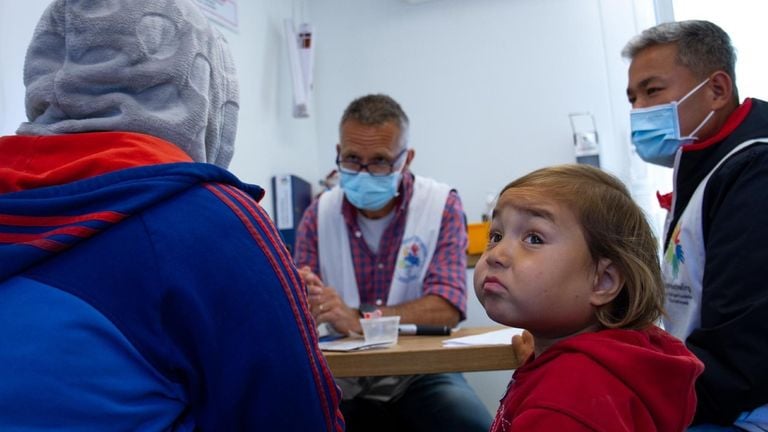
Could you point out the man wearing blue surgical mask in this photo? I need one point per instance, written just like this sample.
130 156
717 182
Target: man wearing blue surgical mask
686 114
387 240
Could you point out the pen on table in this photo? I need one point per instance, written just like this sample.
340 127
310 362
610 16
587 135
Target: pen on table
423 330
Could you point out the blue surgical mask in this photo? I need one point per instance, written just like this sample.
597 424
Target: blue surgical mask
656 131
368 192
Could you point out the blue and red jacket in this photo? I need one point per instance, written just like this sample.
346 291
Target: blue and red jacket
142 291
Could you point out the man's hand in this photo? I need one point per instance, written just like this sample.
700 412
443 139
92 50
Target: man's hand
326 305
522 345
309 277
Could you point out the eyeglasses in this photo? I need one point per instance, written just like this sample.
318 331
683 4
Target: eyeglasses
377 168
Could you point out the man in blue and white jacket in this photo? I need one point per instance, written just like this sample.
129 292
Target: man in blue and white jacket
686 114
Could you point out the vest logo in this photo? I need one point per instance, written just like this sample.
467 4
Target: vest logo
675 255
413 252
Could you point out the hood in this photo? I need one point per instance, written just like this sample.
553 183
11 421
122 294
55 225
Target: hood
644 362
52 198
149 66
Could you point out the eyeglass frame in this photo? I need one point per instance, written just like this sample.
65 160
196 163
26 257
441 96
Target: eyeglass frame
364 166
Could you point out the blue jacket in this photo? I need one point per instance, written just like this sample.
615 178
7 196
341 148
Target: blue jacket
141 291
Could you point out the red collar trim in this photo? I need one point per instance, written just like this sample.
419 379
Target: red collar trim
734 120
730 125
38 161
665 201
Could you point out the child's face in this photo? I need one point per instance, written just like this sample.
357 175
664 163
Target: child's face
537 272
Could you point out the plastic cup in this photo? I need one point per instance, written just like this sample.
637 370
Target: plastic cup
380 330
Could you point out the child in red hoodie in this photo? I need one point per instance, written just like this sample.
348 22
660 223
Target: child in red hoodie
572 259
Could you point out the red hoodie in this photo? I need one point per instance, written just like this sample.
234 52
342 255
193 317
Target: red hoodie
611 380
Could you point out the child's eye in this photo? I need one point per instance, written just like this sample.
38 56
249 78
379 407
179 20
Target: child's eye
533 238
494 237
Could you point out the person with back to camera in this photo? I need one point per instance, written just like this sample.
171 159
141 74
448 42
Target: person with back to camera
572 259
389 240
686 115
141 288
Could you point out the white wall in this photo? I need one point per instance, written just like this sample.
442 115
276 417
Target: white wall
269 140
17 21
488 84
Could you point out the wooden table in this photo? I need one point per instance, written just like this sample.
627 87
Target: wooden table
423 354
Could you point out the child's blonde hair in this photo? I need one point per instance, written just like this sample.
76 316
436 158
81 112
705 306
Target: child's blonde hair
614 228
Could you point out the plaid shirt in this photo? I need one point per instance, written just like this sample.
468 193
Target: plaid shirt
446 275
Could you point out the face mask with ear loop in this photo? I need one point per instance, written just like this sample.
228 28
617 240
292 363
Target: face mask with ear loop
656 130
368 192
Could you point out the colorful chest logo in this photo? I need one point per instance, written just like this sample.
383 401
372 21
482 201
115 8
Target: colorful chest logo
674 255
413 253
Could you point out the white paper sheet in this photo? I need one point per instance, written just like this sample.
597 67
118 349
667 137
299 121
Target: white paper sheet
496 337
352 345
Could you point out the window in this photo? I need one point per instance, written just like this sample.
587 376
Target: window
744 21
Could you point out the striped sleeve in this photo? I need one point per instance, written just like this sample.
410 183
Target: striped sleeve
447 272
264 233
306 240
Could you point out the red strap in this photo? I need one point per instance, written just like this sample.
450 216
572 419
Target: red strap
734 120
